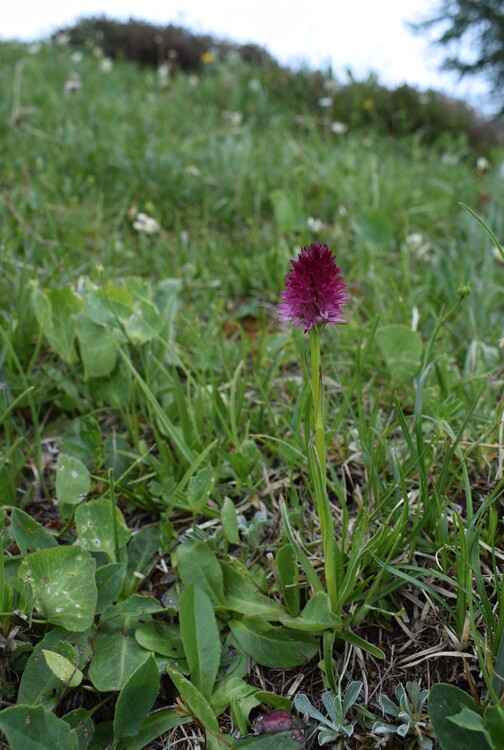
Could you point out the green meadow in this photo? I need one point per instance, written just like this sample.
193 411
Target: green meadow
163 577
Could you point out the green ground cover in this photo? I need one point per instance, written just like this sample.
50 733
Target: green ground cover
162 578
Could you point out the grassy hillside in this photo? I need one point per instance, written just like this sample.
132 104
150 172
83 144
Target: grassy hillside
165 574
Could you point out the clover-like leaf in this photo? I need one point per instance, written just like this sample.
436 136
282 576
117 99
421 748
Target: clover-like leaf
62 580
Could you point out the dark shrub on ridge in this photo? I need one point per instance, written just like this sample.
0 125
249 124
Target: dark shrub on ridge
149 44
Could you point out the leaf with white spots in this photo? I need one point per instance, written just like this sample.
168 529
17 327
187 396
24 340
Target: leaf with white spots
97 527
62 580
72 480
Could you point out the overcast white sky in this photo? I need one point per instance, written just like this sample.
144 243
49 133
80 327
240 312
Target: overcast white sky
363 35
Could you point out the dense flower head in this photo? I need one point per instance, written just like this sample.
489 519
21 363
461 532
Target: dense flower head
314 290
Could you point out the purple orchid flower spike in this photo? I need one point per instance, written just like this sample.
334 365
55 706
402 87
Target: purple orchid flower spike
314 290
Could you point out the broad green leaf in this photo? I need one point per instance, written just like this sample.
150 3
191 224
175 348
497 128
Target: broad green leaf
96 530
72 480
401 349
229 690
229 520
288 574
119 457
494 720
82 723
114 389
274 701
97 347
62 668
315 617
62 580
468 719
83 440
195 702
38 684
200 488
32 728
272 646
109 582
166 296
444 702
145 323
136 699
156 724
106 305
135 605
55 311
29 534
243 596
289 215
142 549
116 654
200 637
103 736
198 566
161 637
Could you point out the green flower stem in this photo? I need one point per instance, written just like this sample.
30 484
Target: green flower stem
319 478
317 399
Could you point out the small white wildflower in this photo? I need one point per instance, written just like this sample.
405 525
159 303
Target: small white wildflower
255 85
72 85
482 164
62 39
233 57
193 81
146 224
415 317
342 211
497 254
339 128
234 118
451 159
106 65
163 74
192 170
97 52
418 245
414 241
316 225
34 48
77 57
325 102
332 86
